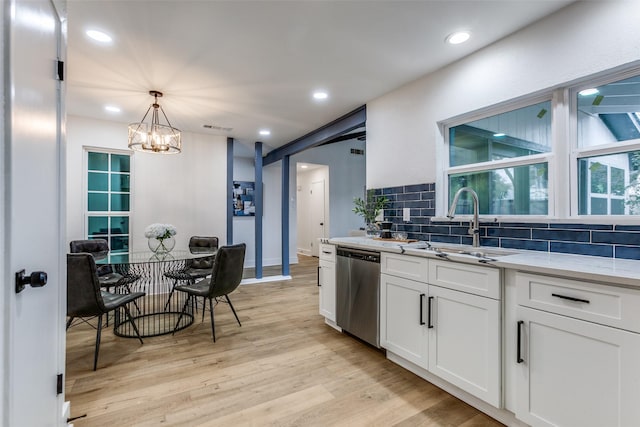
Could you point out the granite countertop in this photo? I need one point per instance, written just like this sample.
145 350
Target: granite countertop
606 270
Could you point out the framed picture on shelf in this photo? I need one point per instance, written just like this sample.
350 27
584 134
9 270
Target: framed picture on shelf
243 198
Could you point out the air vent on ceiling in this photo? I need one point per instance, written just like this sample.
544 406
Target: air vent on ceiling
357 151
220 128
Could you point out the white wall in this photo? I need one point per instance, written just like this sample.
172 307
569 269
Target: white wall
580 40
187 190
346 181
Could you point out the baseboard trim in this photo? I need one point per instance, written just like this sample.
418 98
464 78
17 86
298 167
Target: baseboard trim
264 280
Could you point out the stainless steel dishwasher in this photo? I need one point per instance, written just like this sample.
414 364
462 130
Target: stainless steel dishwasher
358 293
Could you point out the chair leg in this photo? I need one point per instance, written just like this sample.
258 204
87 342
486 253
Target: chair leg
232 309
134 301
69 322
213 325
173 288
184 309
99 329
135 328
204 306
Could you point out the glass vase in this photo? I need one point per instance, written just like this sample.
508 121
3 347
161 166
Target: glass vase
372 230
161 246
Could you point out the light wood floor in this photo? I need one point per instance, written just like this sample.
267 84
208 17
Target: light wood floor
283 367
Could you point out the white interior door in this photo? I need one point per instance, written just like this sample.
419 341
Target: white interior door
317 215
33 221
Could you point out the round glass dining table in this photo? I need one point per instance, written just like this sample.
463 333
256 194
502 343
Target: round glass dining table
158 311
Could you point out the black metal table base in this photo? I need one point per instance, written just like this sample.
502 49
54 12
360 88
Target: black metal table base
156 314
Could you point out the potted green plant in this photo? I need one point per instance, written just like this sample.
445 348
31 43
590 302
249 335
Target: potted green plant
369 209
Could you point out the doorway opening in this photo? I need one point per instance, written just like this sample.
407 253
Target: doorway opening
312 206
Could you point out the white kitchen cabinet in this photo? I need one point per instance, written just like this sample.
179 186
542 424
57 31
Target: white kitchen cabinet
403 318
573 372
452 334
464 341
327 282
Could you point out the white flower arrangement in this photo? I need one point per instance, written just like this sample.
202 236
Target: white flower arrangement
160 231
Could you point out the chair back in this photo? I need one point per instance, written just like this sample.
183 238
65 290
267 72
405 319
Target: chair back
99 248
203 244
227 269
83 287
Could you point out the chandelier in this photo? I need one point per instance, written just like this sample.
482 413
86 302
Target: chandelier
155 137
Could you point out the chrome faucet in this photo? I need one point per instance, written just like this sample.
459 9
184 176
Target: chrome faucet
474 226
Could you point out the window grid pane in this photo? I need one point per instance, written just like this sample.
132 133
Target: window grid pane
609 184
109 191
520 190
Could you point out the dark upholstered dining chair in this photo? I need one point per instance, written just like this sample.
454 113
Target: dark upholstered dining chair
85 297
196 268
99 248
226 275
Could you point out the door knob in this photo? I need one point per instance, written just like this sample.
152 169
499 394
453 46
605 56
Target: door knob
37 279
322 223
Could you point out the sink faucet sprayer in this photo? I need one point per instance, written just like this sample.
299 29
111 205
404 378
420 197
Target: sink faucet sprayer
474 226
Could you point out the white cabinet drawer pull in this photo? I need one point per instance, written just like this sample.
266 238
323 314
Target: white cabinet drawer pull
586 301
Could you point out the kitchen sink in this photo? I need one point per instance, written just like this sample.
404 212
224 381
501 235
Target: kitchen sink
475 252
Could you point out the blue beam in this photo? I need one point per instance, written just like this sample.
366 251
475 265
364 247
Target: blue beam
285 216
259 209
229 191
350 121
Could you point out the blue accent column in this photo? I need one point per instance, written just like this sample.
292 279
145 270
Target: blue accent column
259 209
285 215
229 191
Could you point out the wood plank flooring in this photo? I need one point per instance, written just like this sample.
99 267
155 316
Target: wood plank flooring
283 367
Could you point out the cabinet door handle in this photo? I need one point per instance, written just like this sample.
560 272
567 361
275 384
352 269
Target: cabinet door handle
422 309
519 349
430 325
319 276
327 252
586 301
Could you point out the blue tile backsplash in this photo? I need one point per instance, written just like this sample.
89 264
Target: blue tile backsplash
619 241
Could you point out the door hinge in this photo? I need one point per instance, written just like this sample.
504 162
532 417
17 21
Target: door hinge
60 71
59 384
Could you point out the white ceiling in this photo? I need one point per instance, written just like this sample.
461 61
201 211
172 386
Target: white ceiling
249 65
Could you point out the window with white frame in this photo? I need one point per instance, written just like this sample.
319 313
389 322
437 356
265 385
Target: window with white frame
108 198
607 157
504 158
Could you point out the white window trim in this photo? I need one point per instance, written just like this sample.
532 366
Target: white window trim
85 187
562 180
443 170
578 152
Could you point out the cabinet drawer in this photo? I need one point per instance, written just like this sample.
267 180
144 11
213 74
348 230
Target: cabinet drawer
406 266
327 252
483 281
604 304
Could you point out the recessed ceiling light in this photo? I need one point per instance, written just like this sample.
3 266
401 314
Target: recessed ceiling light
99 36
320 94
458 37
587 92
265 132
112 109
303 166
499 134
